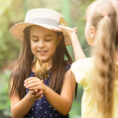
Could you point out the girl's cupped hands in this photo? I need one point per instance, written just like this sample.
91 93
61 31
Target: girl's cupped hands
33 83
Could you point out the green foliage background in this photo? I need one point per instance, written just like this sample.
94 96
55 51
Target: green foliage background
13 11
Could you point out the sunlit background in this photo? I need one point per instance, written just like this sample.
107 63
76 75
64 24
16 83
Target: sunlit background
13 11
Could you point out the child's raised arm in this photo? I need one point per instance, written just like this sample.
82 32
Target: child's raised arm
71 32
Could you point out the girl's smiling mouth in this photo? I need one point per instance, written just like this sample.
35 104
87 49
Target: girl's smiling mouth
42 52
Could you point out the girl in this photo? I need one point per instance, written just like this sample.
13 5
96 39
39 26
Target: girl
43 44
99 75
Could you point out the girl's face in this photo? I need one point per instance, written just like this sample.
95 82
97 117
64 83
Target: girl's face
43 43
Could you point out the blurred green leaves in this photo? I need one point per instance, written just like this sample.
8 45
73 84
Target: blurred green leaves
7 44
4 100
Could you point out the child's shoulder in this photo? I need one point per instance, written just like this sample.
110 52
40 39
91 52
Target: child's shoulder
84 63
82 70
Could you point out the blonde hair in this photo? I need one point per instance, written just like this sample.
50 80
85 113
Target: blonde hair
102 16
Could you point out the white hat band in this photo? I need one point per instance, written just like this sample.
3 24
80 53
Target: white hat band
42 21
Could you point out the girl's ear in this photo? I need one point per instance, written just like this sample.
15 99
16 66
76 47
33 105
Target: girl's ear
92 34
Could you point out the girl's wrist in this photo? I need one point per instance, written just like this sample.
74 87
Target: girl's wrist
30 98
73 35
46 90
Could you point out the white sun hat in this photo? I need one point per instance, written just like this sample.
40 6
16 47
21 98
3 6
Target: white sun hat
43 17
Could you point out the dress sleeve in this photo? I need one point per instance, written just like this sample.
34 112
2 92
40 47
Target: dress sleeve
80 70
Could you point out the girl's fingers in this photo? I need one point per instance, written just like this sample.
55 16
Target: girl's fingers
31 78
36 90
38 94
38 97
75 29
65 28
42 81
33 92
37 87
30 86
32 81
34 85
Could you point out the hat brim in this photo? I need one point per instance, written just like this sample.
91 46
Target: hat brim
17 31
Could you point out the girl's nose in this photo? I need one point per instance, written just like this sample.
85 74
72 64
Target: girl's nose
41 44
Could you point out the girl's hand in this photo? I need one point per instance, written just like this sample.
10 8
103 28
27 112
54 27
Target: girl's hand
35 94
68 31
71 33
33 83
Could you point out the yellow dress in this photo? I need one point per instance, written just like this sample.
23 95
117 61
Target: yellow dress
84 73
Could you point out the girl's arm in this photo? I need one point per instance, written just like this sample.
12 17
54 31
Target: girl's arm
19 108
62 102
77 49
71 32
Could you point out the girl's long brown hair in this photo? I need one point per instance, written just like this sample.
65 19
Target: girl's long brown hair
102 16
23 67
26 59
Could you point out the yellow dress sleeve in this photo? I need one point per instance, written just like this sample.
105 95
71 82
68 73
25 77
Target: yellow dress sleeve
80 70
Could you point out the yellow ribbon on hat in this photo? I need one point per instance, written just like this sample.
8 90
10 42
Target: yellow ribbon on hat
62 22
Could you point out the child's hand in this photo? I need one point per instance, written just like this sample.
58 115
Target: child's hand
67 30
35 94
33 83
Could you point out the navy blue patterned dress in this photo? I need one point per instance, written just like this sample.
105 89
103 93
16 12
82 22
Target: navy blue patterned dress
42 108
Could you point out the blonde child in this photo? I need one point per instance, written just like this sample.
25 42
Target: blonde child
99 74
